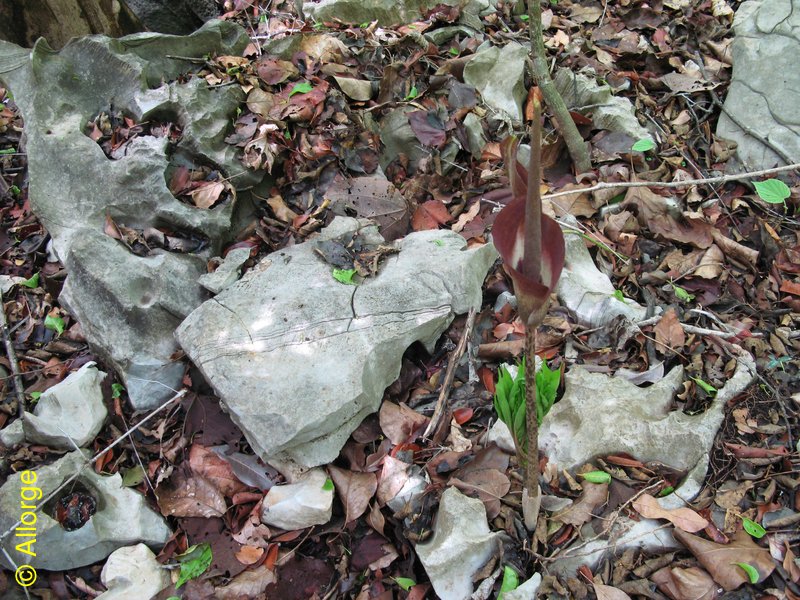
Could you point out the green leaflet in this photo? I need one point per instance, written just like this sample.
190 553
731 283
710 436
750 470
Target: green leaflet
753 528
752 572
194 562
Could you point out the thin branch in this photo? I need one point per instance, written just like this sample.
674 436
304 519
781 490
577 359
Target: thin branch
674 184
450 374
12 359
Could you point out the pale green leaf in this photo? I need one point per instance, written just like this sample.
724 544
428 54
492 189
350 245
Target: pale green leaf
643 145
301 88
405 582
328 485
510 581
753 528
752 572
707 387
773 191
546 387
194 562
117 389
133 477
32 282
344 276
682 294
412 93
596 477
54 323
618 295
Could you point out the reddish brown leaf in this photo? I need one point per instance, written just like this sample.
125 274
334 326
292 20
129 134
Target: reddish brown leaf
790 287
355 490
207 194
273 71
490 485
740 451
400 423
669 332
719 560
462 415
682 584
683 518
593 495
249 555
216 470
429 215
606 592
187 494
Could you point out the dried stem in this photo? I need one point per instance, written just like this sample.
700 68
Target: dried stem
541 74
12 359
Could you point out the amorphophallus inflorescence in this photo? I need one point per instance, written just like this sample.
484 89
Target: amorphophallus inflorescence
531 246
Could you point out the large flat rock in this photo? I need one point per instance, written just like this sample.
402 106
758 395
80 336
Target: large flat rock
765 86
300 359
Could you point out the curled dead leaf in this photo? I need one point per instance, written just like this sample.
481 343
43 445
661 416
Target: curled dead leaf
683 518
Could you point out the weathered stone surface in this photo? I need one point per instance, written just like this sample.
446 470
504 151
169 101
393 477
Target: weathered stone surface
227 272
133 572
128 305
386 12
288 316
300 504
177 17
610 112
460 546
499 75
586 291
765 87
70 413
122 518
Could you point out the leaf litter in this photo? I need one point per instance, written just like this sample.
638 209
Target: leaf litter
722 259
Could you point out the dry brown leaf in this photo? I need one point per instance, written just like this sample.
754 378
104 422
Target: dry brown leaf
429 215
249 555
190 495
355 490
685 584
711 264
208 194
669 332
719 560
400 423
247 584
281 210
216 470
664 218
683 518
375 519
606 592
466 216
582 510
490 485
577 204
393 477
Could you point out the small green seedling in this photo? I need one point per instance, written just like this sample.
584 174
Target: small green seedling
7 151
681 293
328 485
453 51
773 191
117 389
707 387
194 562
509 399
618 295
35 397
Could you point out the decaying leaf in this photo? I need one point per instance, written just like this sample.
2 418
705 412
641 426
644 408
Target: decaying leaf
682 584
400 423
720 559
429 215
355 490
683 518
669 332
585 507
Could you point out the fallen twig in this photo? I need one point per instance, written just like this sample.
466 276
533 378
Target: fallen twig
455 356
674 184
12 359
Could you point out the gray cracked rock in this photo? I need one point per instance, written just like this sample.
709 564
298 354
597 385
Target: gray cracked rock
765 84
133 572
288 316
386 12
128 305
122 518
460 546
69 414
498 74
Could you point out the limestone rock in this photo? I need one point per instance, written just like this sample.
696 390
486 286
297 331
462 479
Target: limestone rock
69 414
765 85
498 74
386 12
133 572
128 305
227 272
288 315
301 504
122 518
460 546
177 17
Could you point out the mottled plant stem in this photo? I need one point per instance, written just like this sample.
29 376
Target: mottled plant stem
531 478
541 74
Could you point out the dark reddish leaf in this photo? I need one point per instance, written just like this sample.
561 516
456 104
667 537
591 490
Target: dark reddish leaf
462 415
429 215
428 128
